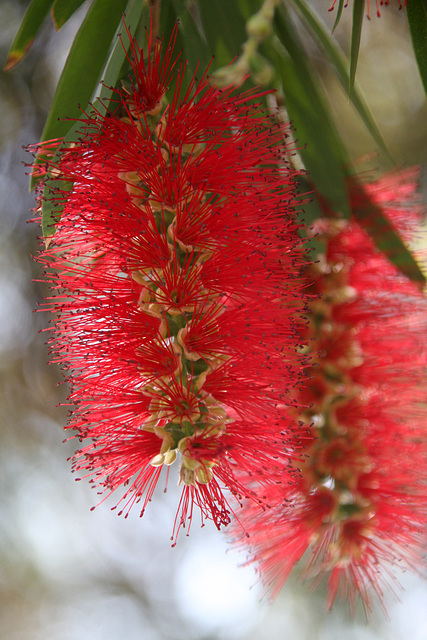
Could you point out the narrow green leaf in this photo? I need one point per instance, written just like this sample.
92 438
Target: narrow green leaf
339 12
416 12
62 11
189 41
84 64
338 60
385 236
356 32
52 208
248 7
83 67
28 29
224 28
311 210
168 19
135 11
52 205
196 51
324 154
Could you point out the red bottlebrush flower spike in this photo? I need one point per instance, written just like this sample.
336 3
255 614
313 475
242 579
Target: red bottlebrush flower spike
360 508
177 288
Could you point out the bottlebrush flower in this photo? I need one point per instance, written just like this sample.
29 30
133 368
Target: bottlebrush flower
177 288
360 507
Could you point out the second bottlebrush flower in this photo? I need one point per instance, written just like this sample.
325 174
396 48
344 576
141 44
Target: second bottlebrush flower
177 291
358 514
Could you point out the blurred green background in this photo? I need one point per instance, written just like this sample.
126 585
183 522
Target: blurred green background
71 574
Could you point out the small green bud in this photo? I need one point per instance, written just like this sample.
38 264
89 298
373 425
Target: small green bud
259 27
262 71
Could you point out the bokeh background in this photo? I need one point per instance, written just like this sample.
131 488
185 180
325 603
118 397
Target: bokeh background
68 573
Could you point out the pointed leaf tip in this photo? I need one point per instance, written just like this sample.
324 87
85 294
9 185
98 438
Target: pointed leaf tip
382 231
339 63
356 32
47 241
27 31
62 10
13 58
339 12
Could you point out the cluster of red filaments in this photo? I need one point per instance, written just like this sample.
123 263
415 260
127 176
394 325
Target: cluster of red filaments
360 507
176 267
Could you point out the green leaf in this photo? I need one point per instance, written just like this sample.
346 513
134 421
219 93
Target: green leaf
339 63
324 155
196 51
416 12
135 12
356 32
168 19
189 40
224 28
248 7
83 67
62 11
339 12
28 30
387 239
311 210
52 209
